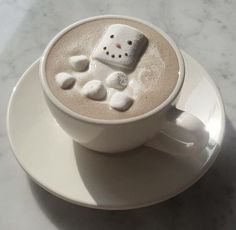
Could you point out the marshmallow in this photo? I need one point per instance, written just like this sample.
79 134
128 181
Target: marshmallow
94 90
80 63
65 80
121 101
117 80
121 46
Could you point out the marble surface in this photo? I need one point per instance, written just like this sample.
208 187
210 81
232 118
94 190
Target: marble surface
205 29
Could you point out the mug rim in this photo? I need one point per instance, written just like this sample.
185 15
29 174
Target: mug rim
87 119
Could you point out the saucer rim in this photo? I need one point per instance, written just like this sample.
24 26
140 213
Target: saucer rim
204 169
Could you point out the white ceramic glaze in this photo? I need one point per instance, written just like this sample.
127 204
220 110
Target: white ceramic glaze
136 179
112 136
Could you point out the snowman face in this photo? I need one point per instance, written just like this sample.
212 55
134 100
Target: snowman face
120 46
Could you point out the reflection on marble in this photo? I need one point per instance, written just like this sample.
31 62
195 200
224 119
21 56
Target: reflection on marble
205 29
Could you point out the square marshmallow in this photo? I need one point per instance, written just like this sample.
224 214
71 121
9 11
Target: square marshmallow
120 46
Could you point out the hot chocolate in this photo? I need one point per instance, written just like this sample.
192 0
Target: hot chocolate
112 69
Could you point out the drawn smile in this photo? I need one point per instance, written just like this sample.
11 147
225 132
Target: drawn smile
113 55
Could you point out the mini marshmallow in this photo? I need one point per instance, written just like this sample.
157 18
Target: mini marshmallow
94 90
65 80
117 80
79 63
121 101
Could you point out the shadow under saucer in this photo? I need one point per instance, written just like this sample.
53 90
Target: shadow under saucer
209 204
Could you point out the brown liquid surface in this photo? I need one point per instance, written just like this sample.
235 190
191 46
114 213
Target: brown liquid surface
157 85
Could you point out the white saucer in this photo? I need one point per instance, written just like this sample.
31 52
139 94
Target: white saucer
140 178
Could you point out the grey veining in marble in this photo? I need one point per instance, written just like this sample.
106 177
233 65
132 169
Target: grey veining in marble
205 29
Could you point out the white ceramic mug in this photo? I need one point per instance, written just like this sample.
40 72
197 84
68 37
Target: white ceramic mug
113 136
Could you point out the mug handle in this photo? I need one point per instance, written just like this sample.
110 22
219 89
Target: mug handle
181 134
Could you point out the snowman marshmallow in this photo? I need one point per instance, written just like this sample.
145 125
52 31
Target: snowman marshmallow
120 48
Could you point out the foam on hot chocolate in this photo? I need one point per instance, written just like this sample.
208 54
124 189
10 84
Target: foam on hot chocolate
121 68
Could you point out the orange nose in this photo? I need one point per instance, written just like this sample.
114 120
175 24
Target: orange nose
118 45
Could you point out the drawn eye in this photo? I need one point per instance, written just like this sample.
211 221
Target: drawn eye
112 36
126 54
104 47
129 43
